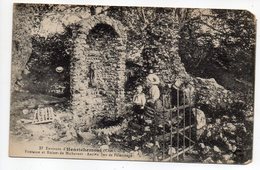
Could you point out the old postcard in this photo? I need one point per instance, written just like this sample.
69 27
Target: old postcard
132 83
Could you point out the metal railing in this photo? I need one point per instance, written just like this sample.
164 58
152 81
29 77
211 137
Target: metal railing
181 127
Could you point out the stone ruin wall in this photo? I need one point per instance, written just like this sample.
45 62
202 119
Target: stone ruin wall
108 95
22 50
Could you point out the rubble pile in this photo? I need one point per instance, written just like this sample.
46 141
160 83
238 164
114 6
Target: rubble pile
210 93
134 139
224 140
139 137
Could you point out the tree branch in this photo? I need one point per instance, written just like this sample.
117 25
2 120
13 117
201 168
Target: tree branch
202 22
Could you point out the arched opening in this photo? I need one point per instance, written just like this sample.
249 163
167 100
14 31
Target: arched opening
102 68
101 34
103 57
98 70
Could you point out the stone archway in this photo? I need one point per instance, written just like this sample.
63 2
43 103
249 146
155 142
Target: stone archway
87 100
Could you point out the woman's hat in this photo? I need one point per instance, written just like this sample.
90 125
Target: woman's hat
153 81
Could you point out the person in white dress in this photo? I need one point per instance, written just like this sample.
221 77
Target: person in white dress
152 81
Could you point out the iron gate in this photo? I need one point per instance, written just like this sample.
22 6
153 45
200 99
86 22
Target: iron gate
179 127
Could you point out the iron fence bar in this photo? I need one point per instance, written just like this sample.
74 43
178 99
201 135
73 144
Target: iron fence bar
164 98
178 114
179 107
189 139
177 154
167 135
171 132
196 114
184 125
154 136
190 118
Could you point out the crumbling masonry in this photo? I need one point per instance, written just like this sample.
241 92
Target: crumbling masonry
108 94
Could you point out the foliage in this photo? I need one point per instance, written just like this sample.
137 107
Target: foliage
225 39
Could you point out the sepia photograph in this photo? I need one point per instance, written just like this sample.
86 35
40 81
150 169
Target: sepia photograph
132 83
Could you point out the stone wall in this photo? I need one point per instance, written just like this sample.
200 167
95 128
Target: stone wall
107 96
165 61
169 70
21 42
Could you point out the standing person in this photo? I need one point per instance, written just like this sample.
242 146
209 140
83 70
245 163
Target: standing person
188 91
152 77
152 81
92 75
139 101
166 96
154 101
154 93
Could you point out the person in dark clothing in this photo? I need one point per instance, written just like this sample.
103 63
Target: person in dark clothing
174 96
